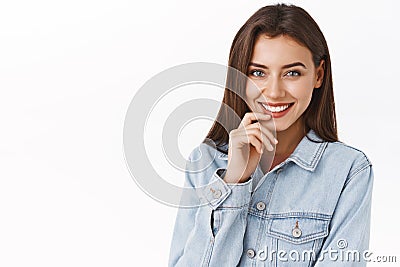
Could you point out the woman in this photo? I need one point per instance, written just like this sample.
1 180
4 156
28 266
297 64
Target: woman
297 196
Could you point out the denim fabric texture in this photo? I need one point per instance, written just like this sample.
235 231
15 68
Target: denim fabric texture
318 199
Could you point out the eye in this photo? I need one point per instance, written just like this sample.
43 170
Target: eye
257 73
293 73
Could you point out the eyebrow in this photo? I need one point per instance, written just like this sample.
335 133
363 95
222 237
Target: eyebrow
284 66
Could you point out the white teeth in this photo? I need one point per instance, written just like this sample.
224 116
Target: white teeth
276 109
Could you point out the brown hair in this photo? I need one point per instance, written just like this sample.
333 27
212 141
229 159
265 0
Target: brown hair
275 20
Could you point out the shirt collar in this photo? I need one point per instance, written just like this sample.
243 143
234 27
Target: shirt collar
307 153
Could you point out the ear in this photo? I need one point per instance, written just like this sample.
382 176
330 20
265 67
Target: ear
319 74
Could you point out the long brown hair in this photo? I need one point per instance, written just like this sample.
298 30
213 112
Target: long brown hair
275 20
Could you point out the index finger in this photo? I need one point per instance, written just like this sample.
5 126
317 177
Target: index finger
253 116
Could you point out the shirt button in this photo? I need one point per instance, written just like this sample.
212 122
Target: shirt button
260 205
250 253
217 193
296 232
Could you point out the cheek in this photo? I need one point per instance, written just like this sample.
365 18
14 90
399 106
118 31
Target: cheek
305 96
302 92
252 92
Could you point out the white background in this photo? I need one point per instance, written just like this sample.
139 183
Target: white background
68 71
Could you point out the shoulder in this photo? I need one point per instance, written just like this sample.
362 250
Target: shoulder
346 155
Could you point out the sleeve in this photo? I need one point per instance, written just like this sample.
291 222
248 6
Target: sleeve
210 234
348 240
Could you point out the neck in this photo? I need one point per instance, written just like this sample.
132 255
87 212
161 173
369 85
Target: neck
288 141
290 138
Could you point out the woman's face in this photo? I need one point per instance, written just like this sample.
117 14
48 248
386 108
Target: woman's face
285 75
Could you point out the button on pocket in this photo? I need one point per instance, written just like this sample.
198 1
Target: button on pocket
296 232
300 229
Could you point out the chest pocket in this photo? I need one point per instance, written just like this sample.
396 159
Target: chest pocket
299 237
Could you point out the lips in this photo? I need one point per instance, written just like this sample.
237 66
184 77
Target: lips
276 110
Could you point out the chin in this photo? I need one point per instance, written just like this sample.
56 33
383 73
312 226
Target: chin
281 127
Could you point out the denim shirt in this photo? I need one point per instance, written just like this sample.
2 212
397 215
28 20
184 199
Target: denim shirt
313 209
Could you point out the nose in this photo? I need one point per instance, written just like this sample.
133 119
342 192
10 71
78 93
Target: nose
272 88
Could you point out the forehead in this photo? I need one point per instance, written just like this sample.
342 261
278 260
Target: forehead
279 50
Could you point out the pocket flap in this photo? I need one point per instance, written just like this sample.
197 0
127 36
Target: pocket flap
298 229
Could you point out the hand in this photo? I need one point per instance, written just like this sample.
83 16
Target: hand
246 144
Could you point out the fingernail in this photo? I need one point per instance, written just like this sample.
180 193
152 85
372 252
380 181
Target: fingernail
275 140
267 116
270 147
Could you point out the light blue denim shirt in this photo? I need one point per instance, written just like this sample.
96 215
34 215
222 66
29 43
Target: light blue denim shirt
313 209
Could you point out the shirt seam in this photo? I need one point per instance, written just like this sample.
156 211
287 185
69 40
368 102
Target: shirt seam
357 172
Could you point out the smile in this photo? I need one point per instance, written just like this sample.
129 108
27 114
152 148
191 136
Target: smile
276 110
